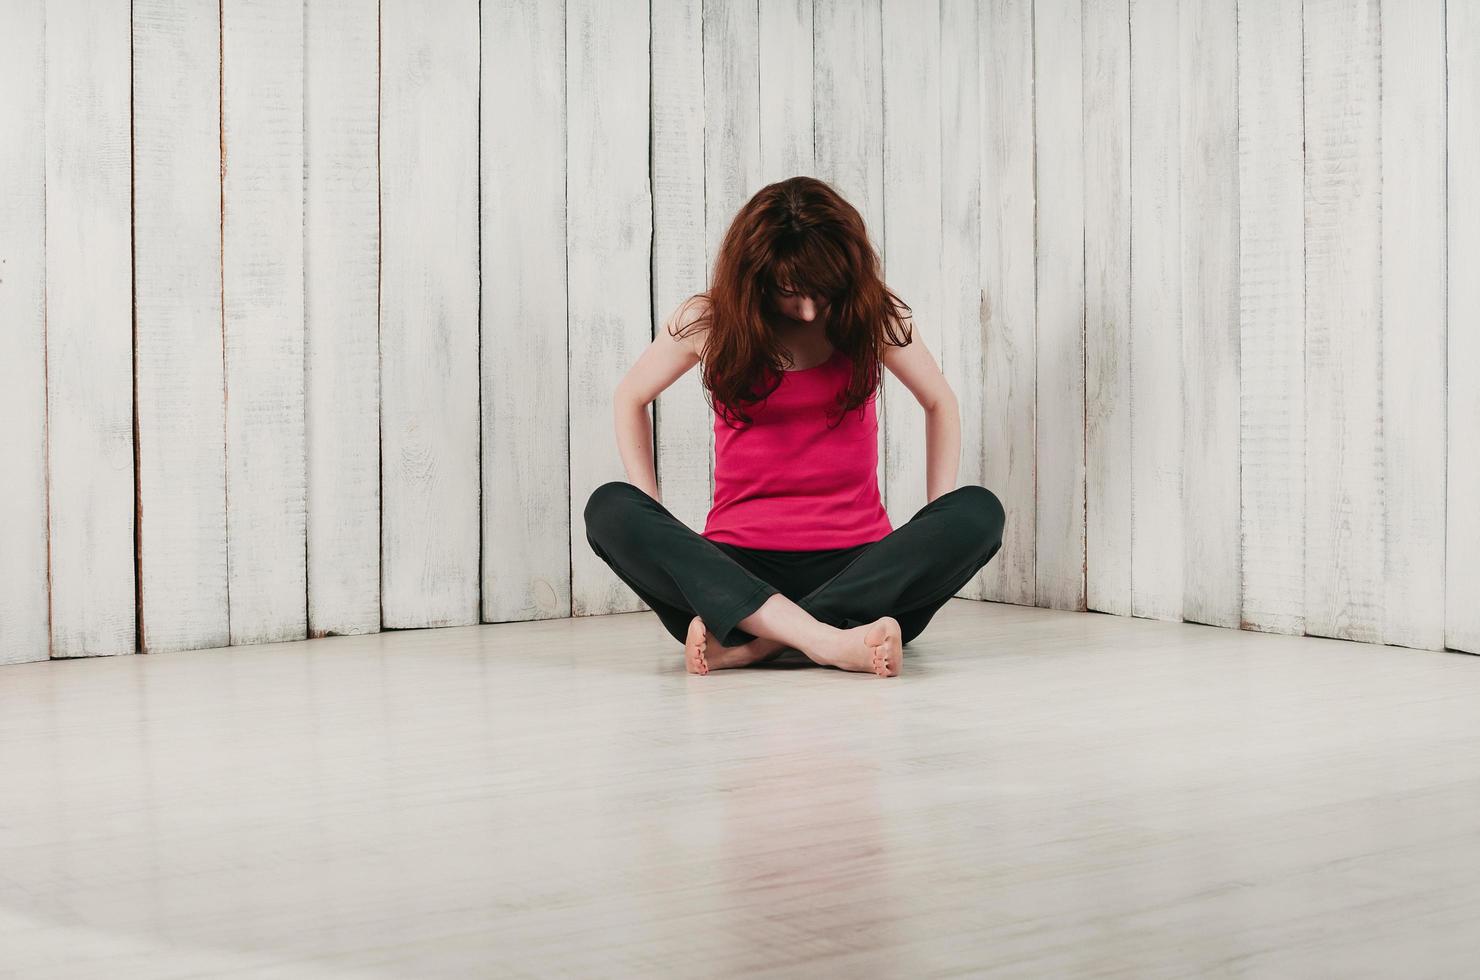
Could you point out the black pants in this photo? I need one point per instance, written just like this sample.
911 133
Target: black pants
908 574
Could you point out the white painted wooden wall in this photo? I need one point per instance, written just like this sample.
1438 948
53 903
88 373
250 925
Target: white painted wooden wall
1186 263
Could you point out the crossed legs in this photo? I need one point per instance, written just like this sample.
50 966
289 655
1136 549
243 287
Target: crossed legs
780 624
857 620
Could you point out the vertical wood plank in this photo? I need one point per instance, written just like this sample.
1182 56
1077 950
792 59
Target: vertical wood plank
785 89
24 626
1210 325
960 347
342 316
912 227
1107 281
732 132
1272 315
177 283
1009 291
1156 314
262 302
848 114
89 330
526 470
1413 333
429 313
684 424
609 215
848 105
1343 487
732 115
1462 557
1059 431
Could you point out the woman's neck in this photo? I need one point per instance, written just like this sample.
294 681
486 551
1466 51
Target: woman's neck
797 331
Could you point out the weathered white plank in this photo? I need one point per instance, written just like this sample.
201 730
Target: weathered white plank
1462 556
785 89
1210 311
89 334
1413 334
1058 109
1343 483
341 282
1107 283
848 107
429 313
848 115
1272 315
732 115
683 423
526 520
959 349
177 297
912 227
732 137
1007 238
1156 314
24 630
609 229
262 270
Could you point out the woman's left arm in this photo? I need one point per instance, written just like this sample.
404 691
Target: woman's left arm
916 369
942 446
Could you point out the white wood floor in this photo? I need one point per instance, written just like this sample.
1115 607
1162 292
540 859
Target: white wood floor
1039 794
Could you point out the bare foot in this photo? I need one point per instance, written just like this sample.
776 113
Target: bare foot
873 647
702 651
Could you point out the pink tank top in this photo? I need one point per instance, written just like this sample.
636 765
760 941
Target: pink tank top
787 482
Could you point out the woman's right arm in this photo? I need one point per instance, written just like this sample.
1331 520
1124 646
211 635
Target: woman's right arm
664 361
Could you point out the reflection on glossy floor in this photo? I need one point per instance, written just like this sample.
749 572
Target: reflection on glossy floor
1040 794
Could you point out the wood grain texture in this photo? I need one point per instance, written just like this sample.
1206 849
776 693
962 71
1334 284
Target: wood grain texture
1271 315
1462 529
785 78
1413 324
24 626
1008 291
732 127
1343 487
1107 324
89 333
848 119
1233 460
1157 539
341 283
609 233
1040 794
429 313
1058 128
262 300
526 469
1210 312
177 307
683 420
912 227
732 115
960 350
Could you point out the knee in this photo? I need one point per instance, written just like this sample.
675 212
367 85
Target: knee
983 515
604 507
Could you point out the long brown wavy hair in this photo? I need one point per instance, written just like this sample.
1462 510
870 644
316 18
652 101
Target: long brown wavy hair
800 232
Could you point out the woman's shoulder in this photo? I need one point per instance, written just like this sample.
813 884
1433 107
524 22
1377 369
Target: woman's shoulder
689 323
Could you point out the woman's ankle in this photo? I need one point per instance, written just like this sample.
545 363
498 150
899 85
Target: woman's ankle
784 622
763 647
